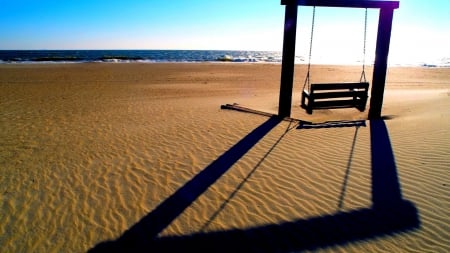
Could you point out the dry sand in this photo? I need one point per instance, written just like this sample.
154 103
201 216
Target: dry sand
96 156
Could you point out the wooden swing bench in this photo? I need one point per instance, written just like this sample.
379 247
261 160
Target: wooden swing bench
335 95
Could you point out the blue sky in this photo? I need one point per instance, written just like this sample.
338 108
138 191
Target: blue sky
421 28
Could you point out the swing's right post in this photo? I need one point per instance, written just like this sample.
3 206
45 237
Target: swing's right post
380 65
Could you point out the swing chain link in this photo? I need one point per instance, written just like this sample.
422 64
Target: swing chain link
363 74
307 80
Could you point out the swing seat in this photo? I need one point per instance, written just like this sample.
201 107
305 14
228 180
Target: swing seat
335 95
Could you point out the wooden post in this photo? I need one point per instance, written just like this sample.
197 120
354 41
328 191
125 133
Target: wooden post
380 65
287 65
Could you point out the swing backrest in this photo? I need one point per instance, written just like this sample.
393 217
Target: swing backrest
339 86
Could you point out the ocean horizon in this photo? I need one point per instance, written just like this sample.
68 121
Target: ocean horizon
186 56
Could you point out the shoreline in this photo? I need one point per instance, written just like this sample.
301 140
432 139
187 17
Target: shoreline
202 56
390 65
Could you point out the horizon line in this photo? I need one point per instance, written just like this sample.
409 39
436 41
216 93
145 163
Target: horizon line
142 49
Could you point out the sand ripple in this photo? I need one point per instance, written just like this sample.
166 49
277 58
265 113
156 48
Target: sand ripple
85 156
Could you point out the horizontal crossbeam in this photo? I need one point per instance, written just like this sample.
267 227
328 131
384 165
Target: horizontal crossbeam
376 4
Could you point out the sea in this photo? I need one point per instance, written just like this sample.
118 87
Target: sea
167 56
146 56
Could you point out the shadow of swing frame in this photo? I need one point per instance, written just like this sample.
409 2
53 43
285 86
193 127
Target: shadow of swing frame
389 213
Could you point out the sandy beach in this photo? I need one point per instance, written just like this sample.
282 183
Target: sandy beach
105 157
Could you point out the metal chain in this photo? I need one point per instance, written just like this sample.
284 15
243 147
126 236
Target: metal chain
307 80
363 74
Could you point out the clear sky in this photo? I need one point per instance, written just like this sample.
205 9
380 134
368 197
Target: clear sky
421 27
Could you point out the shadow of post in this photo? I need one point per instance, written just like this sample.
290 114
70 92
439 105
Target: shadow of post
240 185
389 213
142 233
385 183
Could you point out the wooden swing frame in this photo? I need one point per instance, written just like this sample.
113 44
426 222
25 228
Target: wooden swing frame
381 55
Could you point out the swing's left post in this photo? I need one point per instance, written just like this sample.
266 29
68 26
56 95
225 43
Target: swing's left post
287 64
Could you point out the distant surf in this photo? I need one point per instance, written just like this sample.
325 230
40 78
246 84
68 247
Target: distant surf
150 56
193 56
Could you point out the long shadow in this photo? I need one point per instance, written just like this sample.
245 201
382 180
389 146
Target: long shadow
386 190
347 171
389 213
238 188
141 235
